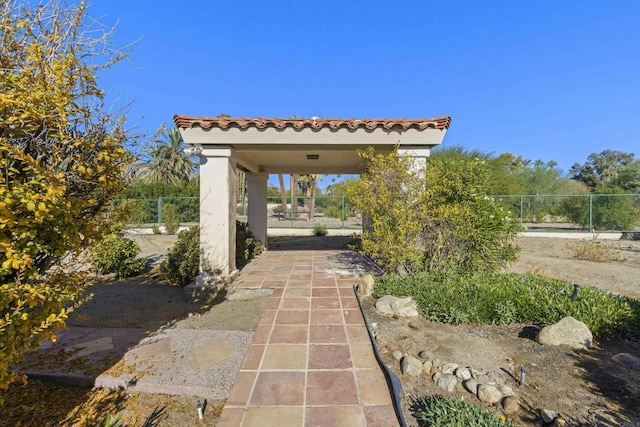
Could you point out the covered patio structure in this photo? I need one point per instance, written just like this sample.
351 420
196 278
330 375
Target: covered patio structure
263 146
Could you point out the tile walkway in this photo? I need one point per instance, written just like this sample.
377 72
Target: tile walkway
310 362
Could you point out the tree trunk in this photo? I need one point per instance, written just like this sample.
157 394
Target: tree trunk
283 196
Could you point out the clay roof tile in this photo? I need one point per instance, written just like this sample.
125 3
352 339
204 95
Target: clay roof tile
224 123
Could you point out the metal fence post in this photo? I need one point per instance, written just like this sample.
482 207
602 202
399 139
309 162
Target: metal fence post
159 211
591 213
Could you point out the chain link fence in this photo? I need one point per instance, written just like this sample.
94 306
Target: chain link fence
577 212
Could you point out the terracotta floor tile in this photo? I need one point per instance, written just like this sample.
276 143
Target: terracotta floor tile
329 356
326 317
325 303
325 292
231 417
291 291
268 317
346 292
278 388
279 416
380 416
295 303
331 388
349 303
253 357
292 317
334 416
299 283
274 303
274 283
373 387
241 390
261 335
358 334
352 316
327 334
291 334
363 356
324 282
285 357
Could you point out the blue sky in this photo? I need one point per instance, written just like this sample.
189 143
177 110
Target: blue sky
549 80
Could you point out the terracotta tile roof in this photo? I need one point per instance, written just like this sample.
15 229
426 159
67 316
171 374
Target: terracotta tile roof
182 121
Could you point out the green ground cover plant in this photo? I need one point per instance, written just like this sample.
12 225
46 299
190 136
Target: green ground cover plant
438 411
506 298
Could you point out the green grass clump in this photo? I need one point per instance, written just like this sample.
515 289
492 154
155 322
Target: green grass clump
505 298
437 411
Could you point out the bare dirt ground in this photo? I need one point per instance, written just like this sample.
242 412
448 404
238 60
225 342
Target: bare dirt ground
588 388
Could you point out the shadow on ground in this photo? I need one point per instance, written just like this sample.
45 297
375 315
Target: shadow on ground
308 243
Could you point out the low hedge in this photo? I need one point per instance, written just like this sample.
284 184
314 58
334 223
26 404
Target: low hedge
506 298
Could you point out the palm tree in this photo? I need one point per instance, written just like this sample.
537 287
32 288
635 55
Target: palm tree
307 184
283 196
167 162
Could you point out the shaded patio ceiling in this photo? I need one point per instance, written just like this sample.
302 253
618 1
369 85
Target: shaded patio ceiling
308 145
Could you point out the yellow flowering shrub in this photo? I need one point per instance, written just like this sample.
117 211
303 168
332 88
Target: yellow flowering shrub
62 160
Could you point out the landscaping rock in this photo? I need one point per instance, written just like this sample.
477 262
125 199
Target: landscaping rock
548 416
449 368
424 354
394 306
397 355
488 393
471 385
627 360
567 332
444 381
365 287
559 422
463 373
426 367
511 405
411 366
506 390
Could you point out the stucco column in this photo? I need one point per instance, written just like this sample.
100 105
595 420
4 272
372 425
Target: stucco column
417 154
217 215
257 215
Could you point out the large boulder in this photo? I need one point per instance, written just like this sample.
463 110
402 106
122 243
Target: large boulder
568 332
394 306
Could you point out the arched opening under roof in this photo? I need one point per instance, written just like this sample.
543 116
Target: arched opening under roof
262 146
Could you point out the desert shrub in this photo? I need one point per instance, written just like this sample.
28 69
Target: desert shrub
505 298
119 255
182 264
171 217
320 230
333 212
437 411
611 209
436 218
247 247
591 250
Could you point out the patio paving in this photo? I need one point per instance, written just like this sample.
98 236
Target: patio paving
310 362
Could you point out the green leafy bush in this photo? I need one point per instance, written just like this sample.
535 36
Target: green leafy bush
333 212
171 217
437 411
247 247
182 264
437 217
119 255
504 298
320 230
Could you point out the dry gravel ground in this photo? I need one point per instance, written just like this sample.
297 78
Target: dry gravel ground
587 387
